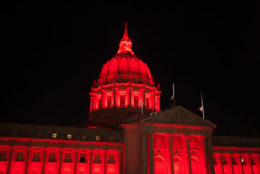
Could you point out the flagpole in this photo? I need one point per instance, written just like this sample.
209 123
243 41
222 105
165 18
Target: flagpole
201 98
173 94
142 107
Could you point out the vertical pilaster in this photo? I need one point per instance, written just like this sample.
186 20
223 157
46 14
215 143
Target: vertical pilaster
10 160
27 159
204 155
171 154
44 160
114 96
221 159
151 153
101 98
187 154
230 163
60 161
105 162
249 164
240 164
210 155
91 103
76 161
90 162
130 96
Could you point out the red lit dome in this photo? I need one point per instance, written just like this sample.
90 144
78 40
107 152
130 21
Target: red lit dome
124 87
125 66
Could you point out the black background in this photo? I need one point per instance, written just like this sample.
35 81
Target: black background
52 52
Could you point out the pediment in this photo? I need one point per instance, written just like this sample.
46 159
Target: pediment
179 116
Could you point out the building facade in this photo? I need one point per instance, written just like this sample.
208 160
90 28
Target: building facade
127 133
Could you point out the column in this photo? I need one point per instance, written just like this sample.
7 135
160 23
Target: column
230 163
130 96
153 99
105 161
90 161
91 103
171 154
101 98
27 160
10 160
250 167
76 161
151 153
210 155
187 154
60 161
240 164
114 96
204 155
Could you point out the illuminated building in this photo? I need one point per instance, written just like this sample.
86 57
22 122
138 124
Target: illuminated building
125 85
126 133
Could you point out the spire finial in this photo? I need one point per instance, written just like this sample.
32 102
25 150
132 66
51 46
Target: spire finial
125 45
125 36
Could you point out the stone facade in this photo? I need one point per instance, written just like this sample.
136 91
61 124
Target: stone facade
175 141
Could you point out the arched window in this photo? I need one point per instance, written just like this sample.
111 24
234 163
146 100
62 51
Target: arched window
195 168
178 165
160 165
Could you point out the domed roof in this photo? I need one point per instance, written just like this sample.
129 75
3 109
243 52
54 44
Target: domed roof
125 66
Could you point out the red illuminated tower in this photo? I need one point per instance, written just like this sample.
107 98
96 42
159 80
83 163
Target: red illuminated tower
125 88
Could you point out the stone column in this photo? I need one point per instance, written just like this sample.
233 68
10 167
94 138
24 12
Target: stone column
105 162
151 153
60 161
249 164
76 161
27 159
204 155
130 95
171 154
210 155
221 159
231 163
10 161
90 162
240 164
44 160
187 153
91 103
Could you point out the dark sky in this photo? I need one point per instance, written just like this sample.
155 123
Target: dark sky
51 54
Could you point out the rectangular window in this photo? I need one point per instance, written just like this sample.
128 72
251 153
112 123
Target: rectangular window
52 157
3 156
147 102
99 103
69 136
109 101
36 157
136 100
97 138
122 101
67 158
54 135
19 156
82 158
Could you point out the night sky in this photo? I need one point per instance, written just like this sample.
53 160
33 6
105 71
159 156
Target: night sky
51 54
